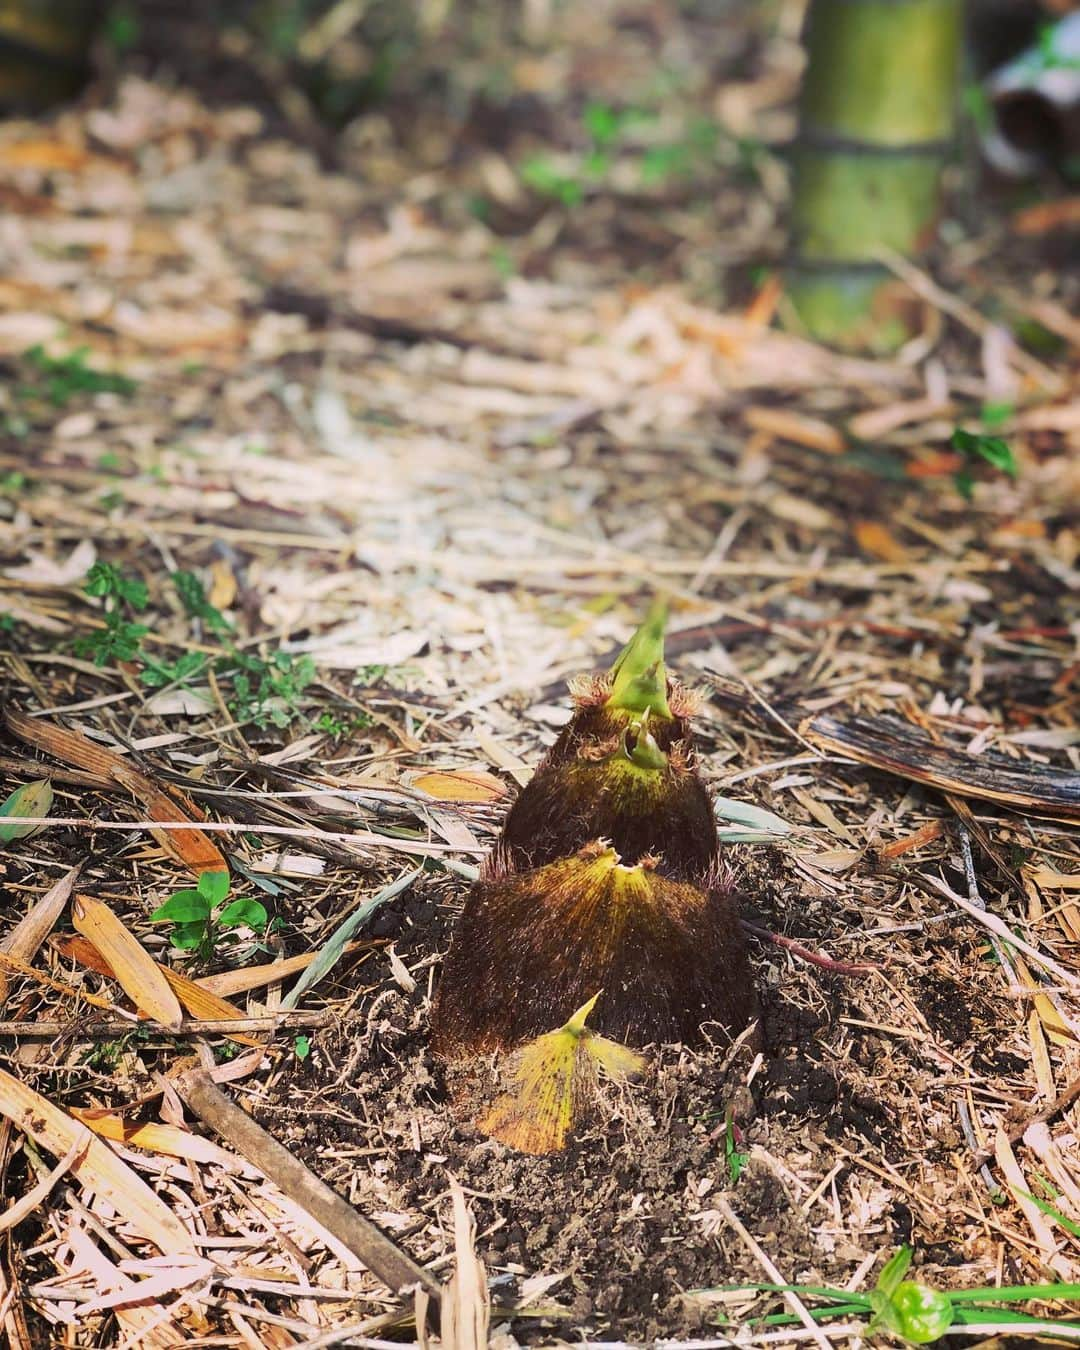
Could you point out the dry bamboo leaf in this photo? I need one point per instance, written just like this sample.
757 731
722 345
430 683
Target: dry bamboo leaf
878 541
897 747
34 927
1052 879
465 1308
460 785
200 1001
203 1004
797 428
99 1169
193 848
1037 1221
1040 1055
70 746
257 977
146 1328
154 1138
136 972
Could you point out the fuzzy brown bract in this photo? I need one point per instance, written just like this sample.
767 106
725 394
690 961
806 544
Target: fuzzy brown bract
665 957
663 810
596 721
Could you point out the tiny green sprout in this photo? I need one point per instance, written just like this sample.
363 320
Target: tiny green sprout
302 1047
975 447
734 1157
62 377
7 622
194 599
912 1311
196 925
120 640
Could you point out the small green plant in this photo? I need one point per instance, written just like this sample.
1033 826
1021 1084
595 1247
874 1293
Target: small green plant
734 1157
63 377
914 1312
199 914
121 639
302 1048
193 597
268 689
977 448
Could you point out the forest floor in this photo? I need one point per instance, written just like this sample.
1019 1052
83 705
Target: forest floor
429 425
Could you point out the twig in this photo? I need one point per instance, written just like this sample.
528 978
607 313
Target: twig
812 957
43 1030
792 1299
396 1269
419 848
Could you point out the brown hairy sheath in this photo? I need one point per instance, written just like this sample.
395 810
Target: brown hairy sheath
667 957
596 722
600 792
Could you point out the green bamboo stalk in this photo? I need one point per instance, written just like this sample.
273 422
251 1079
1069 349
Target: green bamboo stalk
877 120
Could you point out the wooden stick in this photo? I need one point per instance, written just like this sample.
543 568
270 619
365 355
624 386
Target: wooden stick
396 1269
116 1026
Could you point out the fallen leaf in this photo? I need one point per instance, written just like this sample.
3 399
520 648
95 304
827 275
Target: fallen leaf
192 847
98 1168
34 927
460 785
876 540
32 799
43 570
136 972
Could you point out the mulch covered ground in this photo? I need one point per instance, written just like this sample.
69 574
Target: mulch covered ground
429 440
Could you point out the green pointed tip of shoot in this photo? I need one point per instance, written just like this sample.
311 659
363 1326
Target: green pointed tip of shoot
638 677
641 749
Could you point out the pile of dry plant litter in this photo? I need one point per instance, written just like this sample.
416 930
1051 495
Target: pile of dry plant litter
315 486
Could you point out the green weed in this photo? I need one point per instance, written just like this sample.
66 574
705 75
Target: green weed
199 914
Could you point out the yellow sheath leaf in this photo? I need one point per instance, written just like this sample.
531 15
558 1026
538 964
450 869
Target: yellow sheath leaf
536 1115
617 1061
136 971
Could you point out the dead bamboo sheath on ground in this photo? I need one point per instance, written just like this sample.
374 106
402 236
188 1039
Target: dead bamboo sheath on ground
398 1271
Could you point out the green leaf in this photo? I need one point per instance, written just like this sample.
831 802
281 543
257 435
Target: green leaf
754 825
193 596
602 123
332 949
964 482
187 936
302 1047
894 1270
250 913
183 907
918 1313
214 886
992 449
32 799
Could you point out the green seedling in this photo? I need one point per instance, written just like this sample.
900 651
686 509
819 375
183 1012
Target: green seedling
734 1158
63 377
199 915
914 1312
121 639
268 690
193 597
991 450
